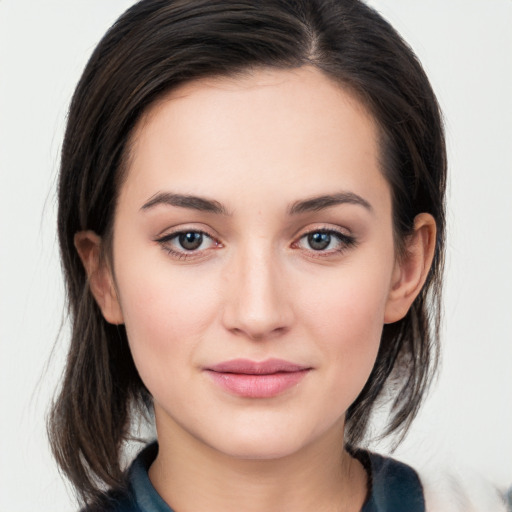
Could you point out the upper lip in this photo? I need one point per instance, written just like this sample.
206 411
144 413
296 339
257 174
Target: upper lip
246 366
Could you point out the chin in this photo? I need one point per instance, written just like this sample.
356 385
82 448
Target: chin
269 440
260 448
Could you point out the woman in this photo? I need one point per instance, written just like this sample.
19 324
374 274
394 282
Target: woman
251 220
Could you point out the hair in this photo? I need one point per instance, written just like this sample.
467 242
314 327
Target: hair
151 49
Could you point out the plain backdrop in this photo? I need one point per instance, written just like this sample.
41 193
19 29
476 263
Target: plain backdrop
466 48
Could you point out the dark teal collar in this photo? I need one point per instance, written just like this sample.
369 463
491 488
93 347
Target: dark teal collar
393 486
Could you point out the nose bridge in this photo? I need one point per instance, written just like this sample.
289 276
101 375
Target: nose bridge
257 304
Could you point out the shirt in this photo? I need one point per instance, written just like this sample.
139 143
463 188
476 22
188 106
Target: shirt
392 486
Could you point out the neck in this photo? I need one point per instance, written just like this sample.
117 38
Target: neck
321 476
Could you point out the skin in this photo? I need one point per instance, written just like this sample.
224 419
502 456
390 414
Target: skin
256 288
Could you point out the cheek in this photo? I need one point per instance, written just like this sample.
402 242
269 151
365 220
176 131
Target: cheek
345 317
349 307
166 315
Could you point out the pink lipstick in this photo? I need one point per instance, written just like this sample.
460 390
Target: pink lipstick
253 379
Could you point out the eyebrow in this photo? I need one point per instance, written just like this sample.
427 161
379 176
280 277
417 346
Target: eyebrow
202 204
185 201
318 203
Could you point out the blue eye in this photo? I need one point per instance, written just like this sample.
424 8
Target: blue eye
327 241
319 241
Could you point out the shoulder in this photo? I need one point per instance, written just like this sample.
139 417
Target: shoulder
393 485
138 495
396 486
114 501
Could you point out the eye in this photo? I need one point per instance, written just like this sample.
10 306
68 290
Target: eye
319 241
189 243
326 241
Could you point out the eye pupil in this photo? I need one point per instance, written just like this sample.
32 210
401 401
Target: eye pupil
319 241
191 240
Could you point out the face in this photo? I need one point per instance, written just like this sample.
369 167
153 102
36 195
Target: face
253 259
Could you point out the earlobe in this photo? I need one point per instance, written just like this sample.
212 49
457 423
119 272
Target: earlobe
101 282
411 270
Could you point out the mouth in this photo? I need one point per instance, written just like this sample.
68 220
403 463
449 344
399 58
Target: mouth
252 379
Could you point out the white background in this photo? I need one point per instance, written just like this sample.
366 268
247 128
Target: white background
466 48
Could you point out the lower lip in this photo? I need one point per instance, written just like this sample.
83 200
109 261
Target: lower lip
257 386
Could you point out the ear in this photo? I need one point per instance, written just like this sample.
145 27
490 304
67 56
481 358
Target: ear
101 282
412 268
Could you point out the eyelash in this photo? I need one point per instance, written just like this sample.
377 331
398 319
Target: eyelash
345 242
184 254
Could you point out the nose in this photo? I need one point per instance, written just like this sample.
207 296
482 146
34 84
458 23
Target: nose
257 303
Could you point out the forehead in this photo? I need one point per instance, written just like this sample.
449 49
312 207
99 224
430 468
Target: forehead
278 130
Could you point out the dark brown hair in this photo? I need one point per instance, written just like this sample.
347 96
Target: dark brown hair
154 47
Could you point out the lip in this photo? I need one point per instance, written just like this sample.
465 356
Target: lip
253 379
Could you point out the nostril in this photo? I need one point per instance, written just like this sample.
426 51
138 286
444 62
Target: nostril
261 335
